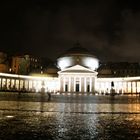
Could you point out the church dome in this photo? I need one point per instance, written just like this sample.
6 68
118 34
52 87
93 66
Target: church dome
77 50
77 55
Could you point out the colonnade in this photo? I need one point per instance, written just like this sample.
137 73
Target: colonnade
77 84
122 86
69 83
13 82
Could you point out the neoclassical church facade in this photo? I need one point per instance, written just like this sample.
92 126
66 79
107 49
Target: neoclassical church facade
78 73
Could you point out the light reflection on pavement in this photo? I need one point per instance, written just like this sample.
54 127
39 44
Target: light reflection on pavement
70 117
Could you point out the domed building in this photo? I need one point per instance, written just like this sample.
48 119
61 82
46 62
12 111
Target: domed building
78 70
78 55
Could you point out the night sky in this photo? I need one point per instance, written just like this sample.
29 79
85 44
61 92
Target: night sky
109 29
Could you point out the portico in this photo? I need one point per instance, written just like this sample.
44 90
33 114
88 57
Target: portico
77 79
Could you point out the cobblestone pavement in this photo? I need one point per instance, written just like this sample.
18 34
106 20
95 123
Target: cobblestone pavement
71 117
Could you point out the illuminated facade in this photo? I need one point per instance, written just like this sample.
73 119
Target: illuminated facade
77 74
14 82
77 70
77 79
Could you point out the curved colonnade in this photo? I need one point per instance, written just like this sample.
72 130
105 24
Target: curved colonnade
12 82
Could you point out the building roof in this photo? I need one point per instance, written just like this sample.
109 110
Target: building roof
77 50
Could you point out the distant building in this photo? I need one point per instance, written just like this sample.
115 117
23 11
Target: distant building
24 64
118 69
4 65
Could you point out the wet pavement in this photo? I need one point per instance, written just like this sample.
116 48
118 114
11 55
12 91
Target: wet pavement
71 117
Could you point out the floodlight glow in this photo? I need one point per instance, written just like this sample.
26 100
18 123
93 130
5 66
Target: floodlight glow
51 85
91 62
9 116
64 62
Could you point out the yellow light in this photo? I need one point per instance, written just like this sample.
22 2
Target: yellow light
91 62
9 116
64 62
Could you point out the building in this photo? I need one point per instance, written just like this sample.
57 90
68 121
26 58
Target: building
24 64
76 71
118 69
4 65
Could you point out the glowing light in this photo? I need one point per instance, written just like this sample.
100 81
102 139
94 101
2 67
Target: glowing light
91 62
9 116
87 61
38 86
64 62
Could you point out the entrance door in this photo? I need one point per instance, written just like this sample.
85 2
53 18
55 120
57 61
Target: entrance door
77 87
66 88
88 88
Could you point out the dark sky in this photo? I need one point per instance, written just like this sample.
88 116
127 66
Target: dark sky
110 29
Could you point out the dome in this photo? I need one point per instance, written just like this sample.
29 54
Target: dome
77 50
77 55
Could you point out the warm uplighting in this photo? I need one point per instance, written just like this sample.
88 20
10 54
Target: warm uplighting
9 116
90 62
64 62
85 82
29 83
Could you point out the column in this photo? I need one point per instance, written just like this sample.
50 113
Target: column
99 88
90 84
19 84
28 85
82 84
64 82
85 84
136 87
74 84
32 84
131 88
61 84
127 86
79 84
93 85
1 83
69 84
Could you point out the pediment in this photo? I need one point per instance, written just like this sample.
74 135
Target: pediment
77 69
